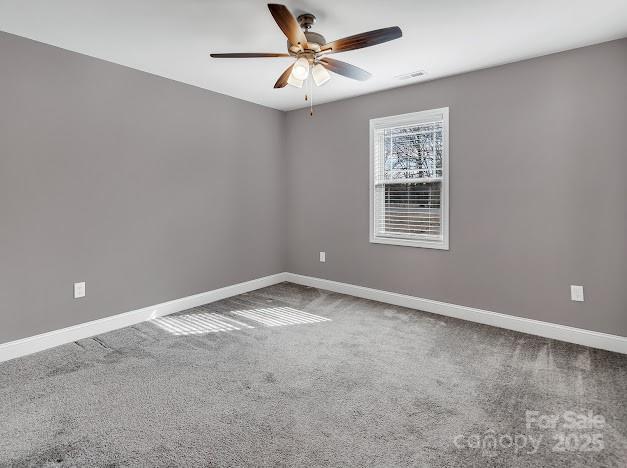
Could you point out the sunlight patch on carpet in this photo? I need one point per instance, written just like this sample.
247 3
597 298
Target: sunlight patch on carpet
198 323
279 316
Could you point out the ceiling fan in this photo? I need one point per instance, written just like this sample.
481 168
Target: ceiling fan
311 49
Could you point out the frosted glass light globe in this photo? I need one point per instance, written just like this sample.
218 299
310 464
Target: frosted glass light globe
301 69
320 74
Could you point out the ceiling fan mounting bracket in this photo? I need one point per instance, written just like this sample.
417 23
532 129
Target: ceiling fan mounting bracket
306 21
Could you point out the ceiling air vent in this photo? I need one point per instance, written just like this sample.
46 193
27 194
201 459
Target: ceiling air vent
408 76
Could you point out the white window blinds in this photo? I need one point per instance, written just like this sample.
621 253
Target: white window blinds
409 163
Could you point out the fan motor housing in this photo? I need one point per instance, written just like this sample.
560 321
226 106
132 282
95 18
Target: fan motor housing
315 38
314 42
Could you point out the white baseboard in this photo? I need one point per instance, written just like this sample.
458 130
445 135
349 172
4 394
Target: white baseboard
33 344
534 327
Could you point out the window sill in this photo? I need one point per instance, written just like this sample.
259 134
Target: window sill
439 245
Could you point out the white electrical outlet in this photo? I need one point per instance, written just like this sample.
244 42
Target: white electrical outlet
323 257
576 293
79 290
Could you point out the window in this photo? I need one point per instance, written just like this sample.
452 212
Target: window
409 179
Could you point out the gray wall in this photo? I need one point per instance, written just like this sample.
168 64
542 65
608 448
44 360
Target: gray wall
538 157
150 190
147 189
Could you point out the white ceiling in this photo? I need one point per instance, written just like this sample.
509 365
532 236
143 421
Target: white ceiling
173 38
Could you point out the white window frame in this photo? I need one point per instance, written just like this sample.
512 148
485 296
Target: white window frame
409 119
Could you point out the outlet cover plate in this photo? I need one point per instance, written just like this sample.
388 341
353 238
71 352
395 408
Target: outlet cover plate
79 290
576 293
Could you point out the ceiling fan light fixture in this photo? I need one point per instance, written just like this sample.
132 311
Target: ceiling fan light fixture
294 81
301 69
320 74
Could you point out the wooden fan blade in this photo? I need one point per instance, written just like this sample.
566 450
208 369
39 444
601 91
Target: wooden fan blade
282 81
248 55
345 69
288 24
366 39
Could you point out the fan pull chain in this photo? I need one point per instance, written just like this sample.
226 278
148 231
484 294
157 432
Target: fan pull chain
311 100
306 84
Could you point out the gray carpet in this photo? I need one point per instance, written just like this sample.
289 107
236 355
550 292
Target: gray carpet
256 381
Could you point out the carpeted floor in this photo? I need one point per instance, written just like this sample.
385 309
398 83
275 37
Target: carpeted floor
263 379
